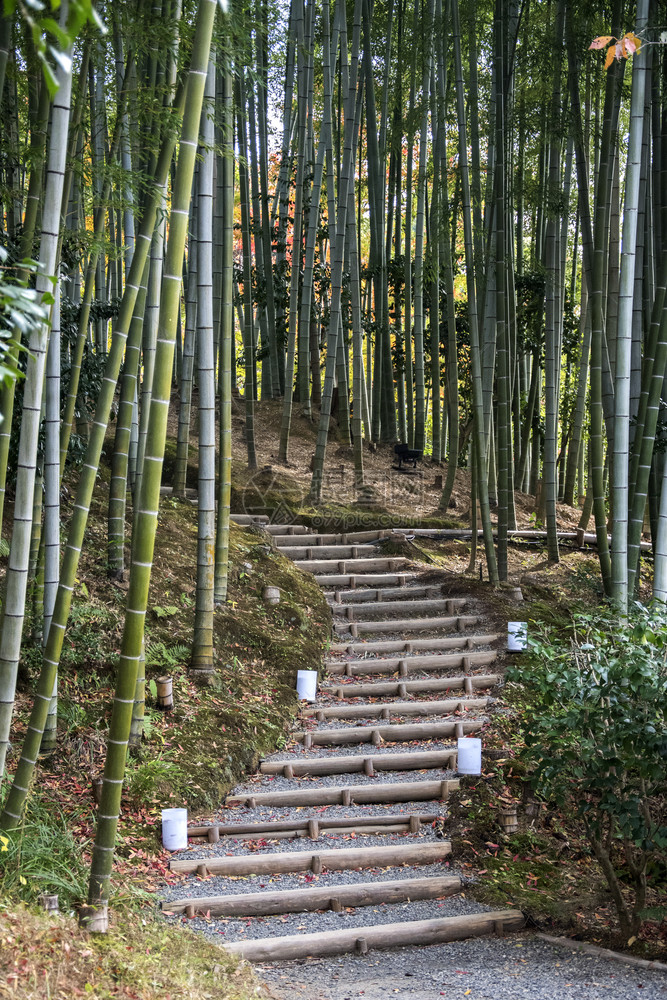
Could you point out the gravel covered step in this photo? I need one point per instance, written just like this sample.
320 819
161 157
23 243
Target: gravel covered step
367 764
287 529
381 689
393 607
362 939
314 828
346 566
340 859
384 710
370 595
330 580
298 552
405 791
398 733
347 538
410 664
254 904
412 645
403 624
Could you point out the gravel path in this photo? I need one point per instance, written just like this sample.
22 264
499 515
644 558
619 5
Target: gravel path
520 967
512 968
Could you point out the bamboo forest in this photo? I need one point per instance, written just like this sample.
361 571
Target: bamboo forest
317 315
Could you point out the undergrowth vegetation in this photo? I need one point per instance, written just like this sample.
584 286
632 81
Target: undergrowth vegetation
597 743
140 957
191 756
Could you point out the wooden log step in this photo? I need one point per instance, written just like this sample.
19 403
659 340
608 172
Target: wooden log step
406 624
411 664
313 539
361 939
298 552
383 710
398 733
404 606
388 594
249 518
287 529
404 791
414 645
365 763
347 566
329 580
388 822
301 541
340 859
381 689
256 904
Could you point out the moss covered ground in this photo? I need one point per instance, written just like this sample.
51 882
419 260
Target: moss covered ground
191 756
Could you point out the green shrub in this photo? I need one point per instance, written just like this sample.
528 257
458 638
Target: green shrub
597 740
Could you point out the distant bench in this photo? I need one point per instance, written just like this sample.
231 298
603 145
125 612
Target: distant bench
406 454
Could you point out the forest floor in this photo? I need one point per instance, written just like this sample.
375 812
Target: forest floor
197 753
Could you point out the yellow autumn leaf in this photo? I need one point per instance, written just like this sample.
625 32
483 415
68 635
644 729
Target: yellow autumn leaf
632 42
601 42
611 51
4 841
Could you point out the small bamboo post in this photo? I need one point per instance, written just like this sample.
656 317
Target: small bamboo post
48 902
509 819
165 694
271 595
94 919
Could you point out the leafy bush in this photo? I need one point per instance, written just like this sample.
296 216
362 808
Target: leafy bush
597 740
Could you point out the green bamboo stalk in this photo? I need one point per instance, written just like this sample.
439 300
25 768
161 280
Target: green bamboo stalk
248 334
99 221
452 375
202 646
33 201
226 165
552 311
51 532
475 359
296 337
143 540
502 334
357 346
188 357
119 458
15 802
262 90
621 444
352 117
424 143
14 603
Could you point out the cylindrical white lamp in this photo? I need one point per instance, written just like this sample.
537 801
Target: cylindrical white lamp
469 756
306 685
175 829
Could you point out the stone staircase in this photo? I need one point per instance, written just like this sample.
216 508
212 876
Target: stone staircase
362 790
